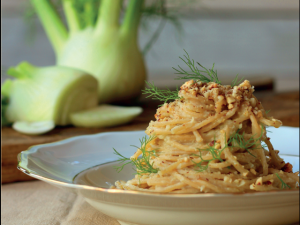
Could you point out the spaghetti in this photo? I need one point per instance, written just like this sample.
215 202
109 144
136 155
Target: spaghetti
212 139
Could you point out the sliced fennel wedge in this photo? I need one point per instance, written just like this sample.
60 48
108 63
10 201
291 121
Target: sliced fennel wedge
47 93
105 116
33 128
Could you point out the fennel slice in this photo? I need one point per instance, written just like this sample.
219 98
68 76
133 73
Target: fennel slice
33 128
105 116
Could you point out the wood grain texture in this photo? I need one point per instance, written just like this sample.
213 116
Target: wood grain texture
13 142
284 106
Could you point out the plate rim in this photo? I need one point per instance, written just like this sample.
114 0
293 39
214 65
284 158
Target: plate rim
34 148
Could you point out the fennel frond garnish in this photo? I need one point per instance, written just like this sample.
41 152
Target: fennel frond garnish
160 94
236 81
238 140
196 73
283 184
142 164
205 76
215 153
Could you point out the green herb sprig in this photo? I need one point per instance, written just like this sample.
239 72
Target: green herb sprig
249 144
283 184
159 94
216 154
235 81
142 164
236 140
205 76
196 73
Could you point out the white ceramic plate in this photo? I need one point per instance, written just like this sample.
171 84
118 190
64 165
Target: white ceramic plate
85 165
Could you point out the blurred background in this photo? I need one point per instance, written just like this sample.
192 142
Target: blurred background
255 39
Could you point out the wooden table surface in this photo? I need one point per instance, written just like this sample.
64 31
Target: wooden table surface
283 106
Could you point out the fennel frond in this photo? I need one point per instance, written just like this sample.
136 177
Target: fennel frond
142 164
215 153
235 81
238 140
196 73
283 184
160 94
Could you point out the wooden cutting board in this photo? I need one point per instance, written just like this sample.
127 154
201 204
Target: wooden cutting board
13 142
283 106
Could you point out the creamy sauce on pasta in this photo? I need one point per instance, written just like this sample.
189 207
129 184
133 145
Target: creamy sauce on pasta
230 122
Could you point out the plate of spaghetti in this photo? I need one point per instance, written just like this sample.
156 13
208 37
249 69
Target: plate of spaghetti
211 156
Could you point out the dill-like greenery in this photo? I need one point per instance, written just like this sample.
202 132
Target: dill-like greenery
196 73
238 140
215 153
205 76
142 164
235 81
268 111
283 184
161 95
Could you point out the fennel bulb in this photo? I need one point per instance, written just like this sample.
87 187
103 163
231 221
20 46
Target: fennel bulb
113 60
100 46
47 93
